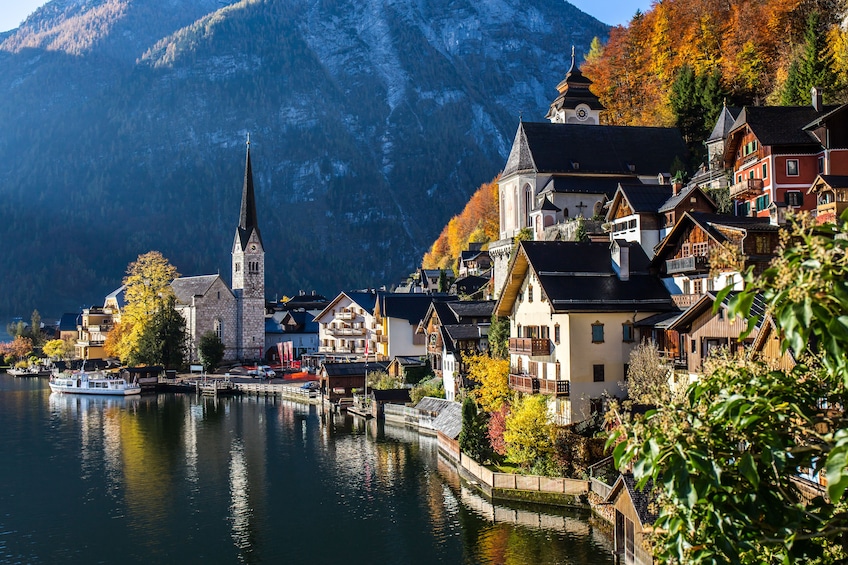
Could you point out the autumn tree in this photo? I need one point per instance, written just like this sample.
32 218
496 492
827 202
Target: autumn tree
148 289
648 375
529 433
493 378
59 348
20 347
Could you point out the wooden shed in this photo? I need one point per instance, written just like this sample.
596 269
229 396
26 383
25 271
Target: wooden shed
635 514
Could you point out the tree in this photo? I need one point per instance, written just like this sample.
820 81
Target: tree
493 376
443 281
813 68
497 427
685 104
647 379
35 329
499 337
20 347
211 350
148 287
529 434
164 340
473 438
381 380
59 348
726 456
431 387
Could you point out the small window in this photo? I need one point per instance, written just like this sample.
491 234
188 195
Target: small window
694 346
597 332
765 170
556 333
219 329
821 165
794 198
530 293
792 167
598 373
699 286
627 331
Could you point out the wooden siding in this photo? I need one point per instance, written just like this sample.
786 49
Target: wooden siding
709 326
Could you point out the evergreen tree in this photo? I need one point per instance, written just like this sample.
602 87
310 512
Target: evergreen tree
499 337
443 281
685 104
211 350
474 437
163 341
813 68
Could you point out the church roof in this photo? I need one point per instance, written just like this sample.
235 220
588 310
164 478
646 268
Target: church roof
573 91
549 206
585 185
186 287
582 149
247 215
724 123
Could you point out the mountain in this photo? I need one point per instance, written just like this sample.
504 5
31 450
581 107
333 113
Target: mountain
123 127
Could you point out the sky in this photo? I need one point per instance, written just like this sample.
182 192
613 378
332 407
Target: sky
613 12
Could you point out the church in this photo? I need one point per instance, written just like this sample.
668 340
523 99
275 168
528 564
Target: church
565 170
236 314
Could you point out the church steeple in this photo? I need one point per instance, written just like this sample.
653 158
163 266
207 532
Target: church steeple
247 216
575 103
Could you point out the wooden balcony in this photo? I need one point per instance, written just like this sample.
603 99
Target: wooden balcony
748 188
690 264
529 346
684 301
529 384
346 331
345 315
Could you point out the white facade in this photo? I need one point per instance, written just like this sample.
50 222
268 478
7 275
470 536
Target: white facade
345 326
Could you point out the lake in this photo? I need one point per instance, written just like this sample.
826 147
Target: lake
176 478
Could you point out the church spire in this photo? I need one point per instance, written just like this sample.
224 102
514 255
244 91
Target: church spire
576 103
247 216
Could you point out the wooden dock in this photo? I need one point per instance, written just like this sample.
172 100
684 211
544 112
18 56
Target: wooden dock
294 392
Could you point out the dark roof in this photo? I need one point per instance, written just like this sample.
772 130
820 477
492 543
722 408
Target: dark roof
272 327
644 500
409 307
247 214
464 309
449 420
353 369
186 287
69 321
781 125
409 361
391 395
724 123
549 206
470 284
661 320
579 276
646 197
835 181
305 322
470 254
463 331
825 116
555 148
364 299
705 304
585 185
684 193
574 90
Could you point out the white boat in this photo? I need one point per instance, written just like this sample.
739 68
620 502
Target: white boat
93 383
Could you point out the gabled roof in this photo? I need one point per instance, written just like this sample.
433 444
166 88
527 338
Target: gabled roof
366 300
391 395
829 181
458 332
69 321
549 206
471 284
272 327
449 420
709 223
187 287
579 277
598 184
826 115
644 500
353 369
617 150
118 295
705 304
643 197
409 307
780 125
685 193
304 321
464 309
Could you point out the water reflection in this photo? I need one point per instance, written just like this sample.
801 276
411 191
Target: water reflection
181 478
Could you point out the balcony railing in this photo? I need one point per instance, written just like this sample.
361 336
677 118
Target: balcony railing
346 331
529 346
529 384
747 188
345 315
691 264
684 301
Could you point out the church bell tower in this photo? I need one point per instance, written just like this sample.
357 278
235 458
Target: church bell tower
249 274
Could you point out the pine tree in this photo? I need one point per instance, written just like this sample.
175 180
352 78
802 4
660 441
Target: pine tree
685 104
813 68
474 436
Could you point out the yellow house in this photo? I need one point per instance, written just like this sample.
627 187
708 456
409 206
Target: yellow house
572 308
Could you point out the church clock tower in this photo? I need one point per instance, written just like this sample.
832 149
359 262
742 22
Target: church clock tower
249 274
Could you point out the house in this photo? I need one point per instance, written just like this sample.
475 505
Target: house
568 169
397 316
347 323
409 369
471 287
338 380
68 326
296 326
831 197
767 347
474 260
713 175
776 152
572 307
380 398
635 514
683 257
468 322
95 324
704 329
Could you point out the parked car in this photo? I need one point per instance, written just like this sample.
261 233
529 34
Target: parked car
263 371
311 385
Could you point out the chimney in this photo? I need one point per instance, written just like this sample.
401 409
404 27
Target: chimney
675 187
816 95
621 259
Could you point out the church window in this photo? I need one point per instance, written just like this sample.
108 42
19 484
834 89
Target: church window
219 329
528 204
238 267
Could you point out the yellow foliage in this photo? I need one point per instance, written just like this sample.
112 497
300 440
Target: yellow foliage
529 435
493 376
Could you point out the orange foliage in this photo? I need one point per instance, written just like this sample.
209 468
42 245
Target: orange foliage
478 222
749 43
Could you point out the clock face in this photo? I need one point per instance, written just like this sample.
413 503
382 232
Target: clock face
582 113
253 247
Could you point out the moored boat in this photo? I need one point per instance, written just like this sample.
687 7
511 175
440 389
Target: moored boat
93 383
29 372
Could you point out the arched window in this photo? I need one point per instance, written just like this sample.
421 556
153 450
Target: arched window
219 329
528 204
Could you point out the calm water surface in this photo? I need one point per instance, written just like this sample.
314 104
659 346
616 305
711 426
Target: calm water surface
180 479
